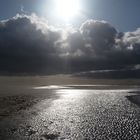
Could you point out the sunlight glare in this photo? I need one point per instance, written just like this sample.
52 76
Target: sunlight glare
67 9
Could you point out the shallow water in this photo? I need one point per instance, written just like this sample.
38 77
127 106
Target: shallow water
70 113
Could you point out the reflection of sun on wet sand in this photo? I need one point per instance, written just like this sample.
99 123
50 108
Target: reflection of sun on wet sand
33 109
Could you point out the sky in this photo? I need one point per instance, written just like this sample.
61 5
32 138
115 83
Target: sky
85 37
122 14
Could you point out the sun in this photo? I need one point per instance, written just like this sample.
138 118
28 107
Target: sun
67 9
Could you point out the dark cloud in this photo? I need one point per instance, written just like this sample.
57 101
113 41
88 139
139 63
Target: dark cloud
99 34
109 74
29 45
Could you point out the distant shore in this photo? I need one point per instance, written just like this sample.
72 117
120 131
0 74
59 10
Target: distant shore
63 80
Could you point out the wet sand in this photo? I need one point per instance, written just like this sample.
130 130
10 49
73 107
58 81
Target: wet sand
73 112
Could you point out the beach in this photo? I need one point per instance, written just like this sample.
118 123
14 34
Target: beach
70 112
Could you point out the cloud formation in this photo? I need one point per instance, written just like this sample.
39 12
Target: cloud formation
29 45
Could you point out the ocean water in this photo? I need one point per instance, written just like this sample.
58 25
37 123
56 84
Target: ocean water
70 113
